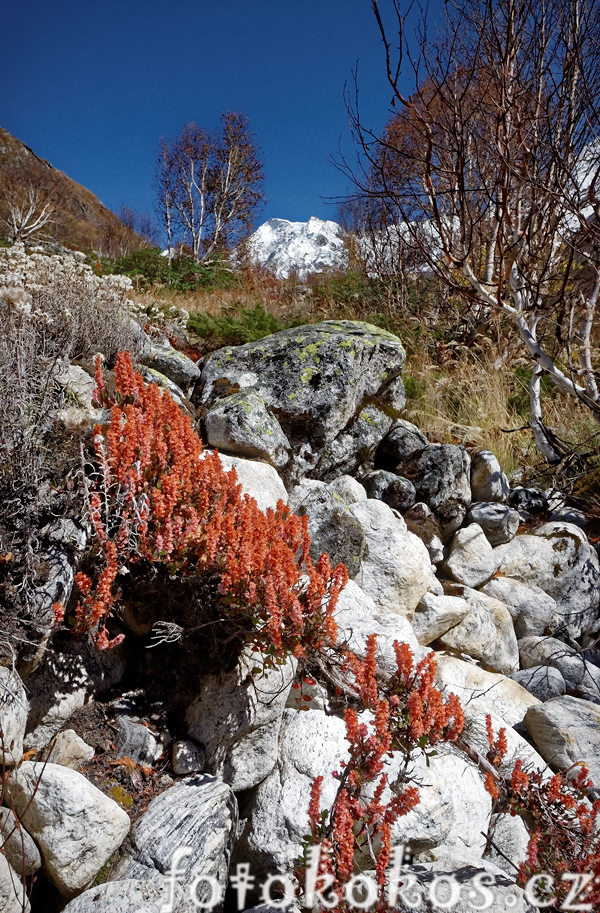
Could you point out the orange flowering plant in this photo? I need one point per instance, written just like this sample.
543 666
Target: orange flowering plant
407 712
158 499
561 820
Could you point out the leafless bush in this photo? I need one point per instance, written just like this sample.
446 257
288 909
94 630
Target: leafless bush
53 310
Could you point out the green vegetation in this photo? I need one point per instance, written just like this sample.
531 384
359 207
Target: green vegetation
148 268
241 325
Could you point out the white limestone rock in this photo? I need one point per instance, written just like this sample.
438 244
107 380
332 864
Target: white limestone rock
75 825
486 633
471 560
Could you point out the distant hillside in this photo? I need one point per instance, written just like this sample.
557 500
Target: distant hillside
77 217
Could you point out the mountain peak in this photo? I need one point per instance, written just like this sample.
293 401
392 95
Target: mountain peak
286 247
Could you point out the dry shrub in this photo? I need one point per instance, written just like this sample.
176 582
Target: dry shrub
52 311
472 397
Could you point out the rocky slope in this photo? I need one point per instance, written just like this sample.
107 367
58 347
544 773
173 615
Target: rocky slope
78 220
443 555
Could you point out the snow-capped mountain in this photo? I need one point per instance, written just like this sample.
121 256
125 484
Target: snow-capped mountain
298 247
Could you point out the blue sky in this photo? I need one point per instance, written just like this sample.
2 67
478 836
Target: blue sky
92 87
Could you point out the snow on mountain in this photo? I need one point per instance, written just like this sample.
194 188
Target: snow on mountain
302 247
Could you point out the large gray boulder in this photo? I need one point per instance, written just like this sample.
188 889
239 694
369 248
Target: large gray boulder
440 474
315 380
237 716
241 424
559 559
471 558
566 730
199 815
173 364
486 633
13 893
544 682
259 480
76 827
312 744
498 521
386 486
395 568
403 441
332 527
358 616
355 446
488 482
483 692
582 677
132 895
435 615
17 845
531 608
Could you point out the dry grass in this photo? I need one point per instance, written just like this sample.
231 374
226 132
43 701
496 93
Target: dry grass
475 400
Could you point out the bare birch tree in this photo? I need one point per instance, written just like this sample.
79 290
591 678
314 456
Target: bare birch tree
210 186
493 165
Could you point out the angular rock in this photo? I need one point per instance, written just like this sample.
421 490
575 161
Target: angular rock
199 813
531 609
187 758
14 708
403 441
499 522
559 559
421 521
544 682
332 527
314 378
356 444
488 482
566 730
17 845
242 425
131 895
393 490
395 568
582 677
357 616
483 692
173 364
348 489
75 825
138 742
311 744
259 480
68 749
237 720
471 558
528 501
440 474
486 633
435 615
